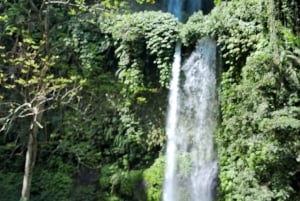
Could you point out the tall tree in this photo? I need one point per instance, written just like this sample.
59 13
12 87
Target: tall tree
33 73
28 76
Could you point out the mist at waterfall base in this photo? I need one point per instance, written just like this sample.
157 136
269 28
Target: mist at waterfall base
191 166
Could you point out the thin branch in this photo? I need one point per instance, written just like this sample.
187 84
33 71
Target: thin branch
58 2
32 108
6 125
14 150
33 6
21 106
38 124
42 6
68 93
44 101
13 114
86 165
26 115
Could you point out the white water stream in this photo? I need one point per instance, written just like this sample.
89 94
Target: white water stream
191 161
191 166
171 127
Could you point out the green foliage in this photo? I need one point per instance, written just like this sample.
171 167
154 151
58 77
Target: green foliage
130 183
217 2
288 13
153 178
107 180
236 25
115 124
260 127
57 49
51 186
152 32
87 193
127 185
144 47
161 39
134 185
259 134
10 185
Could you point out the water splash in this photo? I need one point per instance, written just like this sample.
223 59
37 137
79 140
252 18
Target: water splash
191 167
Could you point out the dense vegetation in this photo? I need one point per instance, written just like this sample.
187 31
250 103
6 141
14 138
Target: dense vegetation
258 140
84 94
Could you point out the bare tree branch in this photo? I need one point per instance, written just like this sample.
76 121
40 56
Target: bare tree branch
28 109
33 6
58 2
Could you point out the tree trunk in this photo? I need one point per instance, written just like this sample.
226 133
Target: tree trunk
29 165
31 153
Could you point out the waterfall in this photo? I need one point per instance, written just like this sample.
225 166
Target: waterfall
175 7
171 127
191 166
191 161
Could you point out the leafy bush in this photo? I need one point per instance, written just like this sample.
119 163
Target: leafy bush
153 178
237 26
258 157
49 186
153 32
125 185
144 46
131 184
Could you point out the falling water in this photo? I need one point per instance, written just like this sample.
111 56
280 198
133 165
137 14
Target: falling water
171 127
191 167
175 7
